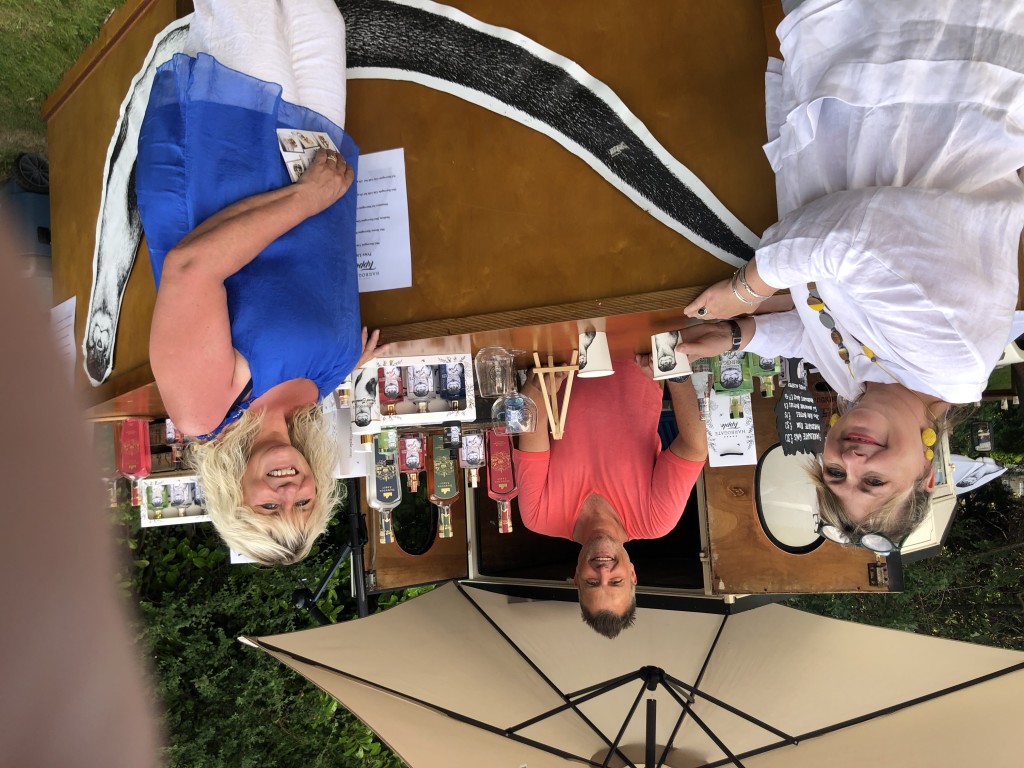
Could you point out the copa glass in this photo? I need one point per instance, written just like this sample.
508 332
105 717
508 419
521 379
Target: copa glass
514 414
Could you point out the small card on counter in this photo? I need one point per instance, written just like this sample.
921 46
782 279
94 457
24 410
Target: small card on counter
730 425
298 148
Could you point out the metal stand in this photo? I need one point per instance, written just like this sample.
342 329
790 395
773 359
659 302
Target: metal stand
549 389
306 600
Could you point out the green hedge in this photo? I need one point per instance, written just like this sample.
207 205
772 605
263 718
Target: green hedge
226 704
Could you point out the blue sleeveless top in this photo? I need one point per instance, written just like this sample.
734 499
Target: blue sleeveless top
208 140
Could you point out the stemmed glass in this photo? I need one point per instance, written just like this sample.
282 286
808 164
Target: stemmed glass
495 371
513 413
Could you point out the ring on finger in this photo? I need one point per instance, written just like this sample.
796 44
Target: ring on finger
332 157
702 312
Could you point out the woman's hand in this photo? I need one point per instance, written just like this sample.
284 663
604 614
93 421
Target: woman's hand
720 301
370 348
716 302
326 180
711 339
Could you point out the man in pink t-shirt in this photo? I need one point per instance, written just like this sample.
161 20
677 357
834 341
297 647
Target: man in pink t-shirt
608 481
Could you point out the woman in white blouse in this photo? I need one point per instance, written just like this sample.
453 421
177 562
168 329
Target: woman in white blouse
896 132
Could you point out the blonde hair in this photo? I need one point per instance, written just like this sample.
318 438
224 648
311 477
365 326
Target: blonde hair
894 519
220 464
900 515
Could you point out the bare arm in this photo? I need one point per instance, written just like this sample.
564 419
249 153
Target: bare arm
193 360
720 300
691 443
539 440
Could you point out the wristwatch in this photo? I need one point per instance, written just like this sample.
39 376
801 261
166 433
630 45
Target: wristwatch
737 334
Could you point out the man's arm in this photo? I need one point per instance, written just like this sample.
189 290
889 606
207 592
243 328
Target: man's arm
539 440
691 443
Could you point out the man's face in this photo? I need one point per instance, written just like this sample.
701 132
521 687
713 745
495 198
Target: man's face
604 576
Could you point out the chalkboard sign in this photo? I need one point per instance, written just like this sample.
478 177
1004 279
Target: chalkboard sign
798 419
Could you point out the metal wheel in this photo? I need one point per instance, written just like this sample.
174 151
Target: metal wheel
32 173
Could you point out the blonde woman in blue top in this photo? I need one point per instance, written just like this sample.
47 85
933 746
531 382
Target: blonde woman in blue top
257 311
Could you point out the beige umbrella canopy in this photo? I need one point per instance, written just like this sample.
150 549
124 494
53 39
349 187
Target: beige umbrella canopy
465 677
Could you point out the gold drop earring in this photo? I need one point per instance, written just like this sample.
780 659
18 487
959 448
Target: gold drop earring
929 438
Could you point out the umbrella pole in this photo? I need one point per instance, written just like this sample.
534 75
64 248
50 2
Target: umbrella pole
652 733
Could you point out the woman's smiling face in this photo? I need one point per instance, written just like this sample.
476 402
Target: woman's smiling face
873 453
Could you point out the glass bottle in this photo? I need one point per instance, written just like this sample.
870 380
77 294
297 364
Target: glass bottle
389 388
472 454
155 509
364 396
452 377
442 483
383 492
419 385
412 448
501 478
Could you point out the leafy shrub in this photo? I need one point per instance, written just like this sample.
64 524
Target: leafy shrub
226 704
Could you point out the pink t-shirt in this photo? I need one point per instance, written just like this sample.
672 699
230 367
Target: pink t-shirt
610 447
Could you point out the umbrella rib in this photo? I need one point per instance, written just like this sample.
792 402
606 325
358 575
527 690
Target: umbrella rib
696 683
711 650
425 704
614 682
704 727
671 738
622 730
595 691
880 712
587 721
729 708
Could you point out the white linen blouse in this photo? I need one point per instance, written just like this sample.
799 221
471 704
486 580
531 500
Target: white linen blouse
896 132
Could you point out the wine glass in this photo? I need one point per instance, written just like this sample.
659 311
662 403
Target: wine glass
514 414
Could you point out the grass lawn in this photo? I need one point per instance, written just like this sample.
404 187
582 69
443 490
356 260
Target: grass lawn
39 40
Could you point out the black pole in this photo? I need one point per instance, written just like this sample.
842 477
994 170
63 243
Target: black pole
652 733
357 538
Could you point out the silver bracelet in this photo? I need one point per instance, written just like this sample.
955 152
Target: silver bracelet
736 293
742 274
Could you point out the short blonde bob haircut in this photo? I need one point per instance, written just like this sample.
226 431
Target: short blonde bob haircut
899 516
894 519
267 539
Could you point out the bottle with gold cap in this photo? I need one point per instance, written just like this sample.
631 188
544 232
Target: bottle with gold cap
419 385
442 483
412 450
473 454
385 492
501 478
389 388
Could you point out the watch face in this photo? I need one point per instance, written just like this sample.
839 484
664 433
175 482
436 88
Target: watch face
737 335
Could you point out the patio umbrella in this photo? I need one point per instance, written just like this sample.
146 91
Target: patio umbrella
462 676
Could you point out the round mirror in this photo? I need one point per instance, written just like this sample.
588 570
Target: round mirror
786 501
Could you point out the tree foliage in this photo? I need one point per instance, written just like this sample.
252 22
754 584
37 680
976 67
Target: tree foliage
226 704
